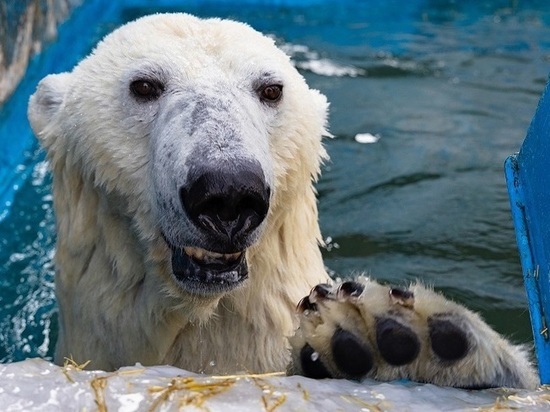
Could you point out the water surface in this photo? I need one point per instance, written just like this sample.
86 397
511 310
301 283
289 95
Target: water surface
449 88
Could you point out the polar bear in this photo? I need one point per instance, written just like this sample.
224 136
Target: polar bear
184 153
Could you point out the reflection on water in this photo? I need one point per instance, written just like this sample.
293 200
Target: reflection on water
26 273
428 200
448 87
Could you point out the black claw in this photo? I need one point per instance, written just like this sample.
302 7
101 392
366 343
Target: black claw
401 293
397 343
322 290
402 297
351 288
351 356
312 366
306 304
449 342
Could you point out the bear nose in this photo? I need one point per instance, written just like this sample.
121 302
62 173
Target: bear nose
231 202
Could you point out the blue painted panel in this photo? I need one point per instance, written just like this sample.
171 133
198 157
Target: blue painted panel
529 189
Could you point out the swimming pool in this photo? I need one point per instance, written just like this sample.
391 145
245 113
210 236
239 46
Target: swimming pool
448 88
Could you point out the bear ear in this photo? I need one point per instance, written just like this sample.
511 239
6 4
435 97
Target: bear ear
47 101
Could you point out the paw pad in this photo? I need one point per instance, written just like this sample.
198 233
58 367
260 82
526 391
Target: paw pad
312 365
351 355
397 343
448 341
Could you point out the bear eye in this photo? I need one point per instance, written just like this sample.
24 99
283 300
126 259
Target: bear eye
271 93
146 89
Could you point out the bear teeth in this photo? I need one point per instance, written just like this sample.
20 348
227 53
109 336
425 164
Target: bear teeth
207 256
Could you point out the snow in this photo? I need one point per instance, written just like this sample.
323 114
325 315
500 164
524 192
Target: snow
38 385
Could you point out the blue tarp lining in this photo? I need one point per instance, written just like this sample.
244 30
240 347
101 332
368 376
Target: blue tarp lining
529 189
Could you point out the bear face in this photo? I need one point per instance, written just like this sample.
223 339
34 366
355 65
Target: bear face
209 137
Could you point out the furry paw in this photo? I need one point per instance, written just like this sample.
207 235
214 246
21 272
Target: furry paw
361 329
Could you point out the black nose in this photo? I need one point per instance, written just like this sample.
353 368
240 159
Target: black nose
230 201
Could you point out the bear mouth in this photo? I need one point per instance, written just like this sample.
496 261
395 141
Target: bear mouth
204 272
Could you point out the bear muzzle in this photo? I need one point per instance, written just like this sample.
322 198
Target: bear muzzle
227 205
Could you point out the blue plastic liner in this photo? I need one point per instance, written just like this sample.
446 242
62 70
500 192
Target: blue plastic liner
16 137
528 181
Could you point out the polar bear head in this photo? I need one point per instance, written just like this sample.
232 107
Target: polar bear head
195 132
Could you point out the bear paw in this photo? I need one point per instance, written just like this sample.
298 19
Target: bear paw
362 329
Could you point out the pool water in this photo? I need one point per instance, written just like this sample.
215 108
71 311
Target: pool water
448 89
